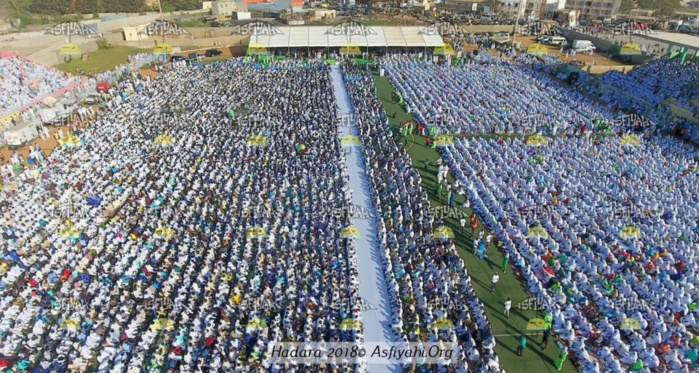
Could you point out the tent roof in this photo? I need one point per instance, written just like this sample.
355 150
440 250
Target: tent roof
319 36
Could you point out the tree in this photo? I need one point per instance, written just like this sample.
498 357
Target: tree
495 6
16 7
667 8
174 5
626 6
647 4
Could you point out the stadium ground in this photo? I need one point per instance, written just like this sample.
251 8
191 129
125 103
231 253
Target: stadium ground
507 330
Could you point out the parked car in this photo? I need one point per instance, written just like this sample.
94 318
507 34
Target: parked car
177 58
557 41
212 52
91 100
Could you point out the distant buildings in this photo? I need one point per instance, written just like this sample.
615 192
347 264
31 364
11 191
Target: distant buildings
594 9
226 8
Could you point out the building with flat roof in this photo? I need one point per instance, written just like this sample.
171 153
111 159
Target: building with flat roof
594 9
226 8
307 37
272 6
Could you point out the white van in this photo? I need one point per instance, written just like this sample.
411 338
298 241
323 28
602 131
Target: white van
557 41
21 135
583 46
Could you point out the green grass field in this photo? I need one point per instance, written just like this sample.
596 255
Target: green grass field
101 60
507 330
377 22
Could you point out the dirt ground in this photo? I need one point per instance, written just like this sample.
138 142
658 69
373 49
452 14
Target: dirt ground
46 146
599 59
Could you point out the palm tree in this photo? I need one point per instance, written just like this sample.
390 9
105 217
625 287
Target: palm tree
495 6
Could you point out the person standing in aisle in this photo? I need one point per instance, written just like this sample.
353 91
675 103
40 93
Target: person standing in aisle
494 282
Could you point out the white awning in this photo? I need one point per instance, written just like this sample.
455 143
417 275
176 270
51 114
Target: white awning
280 40
412 36
339 40
328 36
378 39
394 37
317 37
432 40
298 37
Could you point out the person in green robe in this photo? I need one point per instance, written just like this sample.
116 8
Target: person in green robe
505 260
561 359
638 365
449 195
522 346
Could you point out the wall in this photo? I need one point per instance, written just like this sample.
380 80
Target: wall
118 24
490 28
597 70
220 40
601 44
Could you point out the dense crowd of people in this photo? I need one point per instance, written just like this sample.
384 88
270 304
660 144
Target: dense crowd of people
479 98
174 234
427 280
193 222
24 82
620 239
649 89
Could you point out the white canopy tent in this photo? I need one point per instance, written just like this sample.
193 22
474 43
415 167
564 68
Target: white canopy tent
326 37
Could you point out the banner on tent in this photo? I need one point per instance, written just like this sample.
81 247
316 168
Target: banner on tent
257 28
71 28
443 28
351 29
164 28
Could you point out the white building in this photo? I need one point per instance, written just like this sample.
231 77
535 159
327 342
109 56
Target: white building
223 8
531 9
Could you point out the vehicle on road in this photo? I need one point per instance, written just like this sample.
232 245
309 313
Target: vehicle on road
212 52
